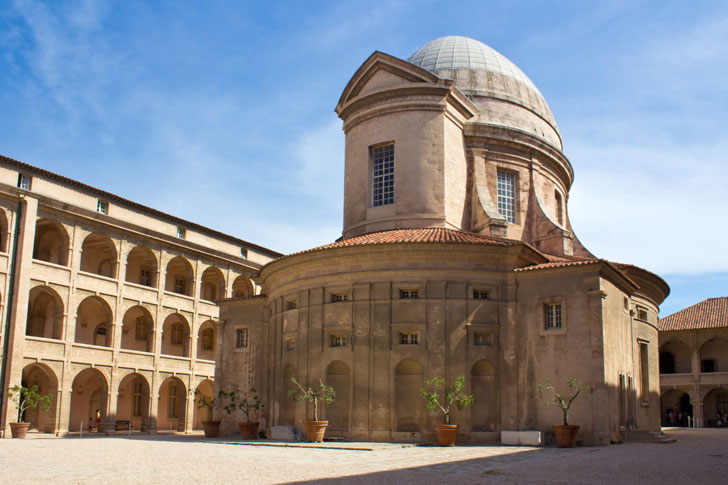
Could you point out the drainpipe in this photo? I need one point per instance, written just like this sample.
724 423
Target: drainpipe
10 298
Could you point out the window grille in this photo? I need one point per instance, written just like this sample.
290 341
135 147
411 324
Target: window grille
409 338
409 294
383 175
480 295
179 285
339 297
552 314
507 195
338 340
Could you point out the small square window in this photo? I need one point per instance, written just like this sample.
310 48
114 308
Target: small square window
409 338
24 181
337 340
552 316
339 297
291 305
409 294
241 338
290 344
102 207
480 295
181 232
483 338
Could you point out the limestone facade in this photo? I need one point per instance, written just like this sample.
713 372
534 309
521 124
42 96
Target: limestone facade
109 305
457 258
694 363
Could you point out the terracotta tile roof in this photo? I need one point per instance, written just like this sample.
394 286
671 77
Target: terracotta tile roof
562 263
129 203
434 235
710 313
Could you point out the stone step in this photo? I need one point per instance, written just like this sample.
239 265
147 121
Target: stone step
647 436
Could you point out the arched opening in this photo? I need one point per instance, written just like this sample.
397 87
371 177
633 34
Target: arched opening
242 286
51 242
42 376
141 267
176 336
213 284
98 255
715 408
88 401
339 377
206 341
202 413
675 406
408 381
137 331
180 277
484 386
132 405
4 232
287 413
714 355
681 358
45 313
94 322
172 405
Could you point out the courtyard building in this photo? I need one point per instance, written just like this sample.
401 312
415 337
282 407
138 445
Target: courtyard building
457 257
108 305
694 364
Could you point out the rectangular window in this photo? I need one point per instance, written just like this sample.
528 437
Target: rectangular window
383 175
179 285
172 402
552 316
181 232
207 336
244 253
137 399
483 338
24 181
507 195
409 338
177 334
290 344
339 297
559 208
102 207
338 340
241 338
480 295
145 276
141 329
409 294
641 314
626 303
291 305
644 373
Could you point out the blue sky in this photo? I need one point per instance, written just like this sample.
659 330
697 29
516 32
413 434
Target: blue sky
222 112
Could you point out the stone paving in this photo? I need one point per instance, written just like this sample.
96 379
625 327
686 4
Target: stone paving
699 456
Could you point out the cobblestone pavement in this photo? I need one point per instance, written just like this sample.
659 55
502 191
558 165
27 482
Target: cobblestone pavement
699 456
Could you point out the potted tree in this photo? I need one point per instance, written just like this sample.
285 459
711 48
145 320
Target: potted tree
315 429
211 427
565 433
26 398
248 405
446 433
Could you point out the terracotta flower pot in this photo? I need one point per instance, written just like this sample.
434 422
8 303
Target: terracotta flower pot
248 430
565 435
19 430
212 428
315 430
446 434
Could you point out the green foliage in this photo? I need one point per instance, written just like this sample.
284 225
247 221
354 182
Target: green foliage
246 404
213 402
29 398
455 395
563 401
324 393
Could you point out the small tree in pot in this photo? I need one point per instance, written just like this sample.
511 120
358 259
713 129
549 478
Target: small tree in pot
212 427
566 433
446 433
315 429
27 398
249 406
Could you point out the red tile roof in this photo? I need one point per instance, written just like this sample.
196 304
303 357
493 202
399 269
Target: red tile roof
710 313
560 264
435 235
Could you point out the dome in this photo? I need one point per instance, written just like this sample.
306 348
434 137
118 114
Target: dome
480 71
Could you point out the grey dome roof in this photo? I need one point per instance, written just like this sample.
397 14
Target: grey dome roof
480 70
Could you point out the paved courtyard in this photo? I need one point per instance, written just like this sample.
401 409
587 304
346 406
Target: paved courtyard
699 456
